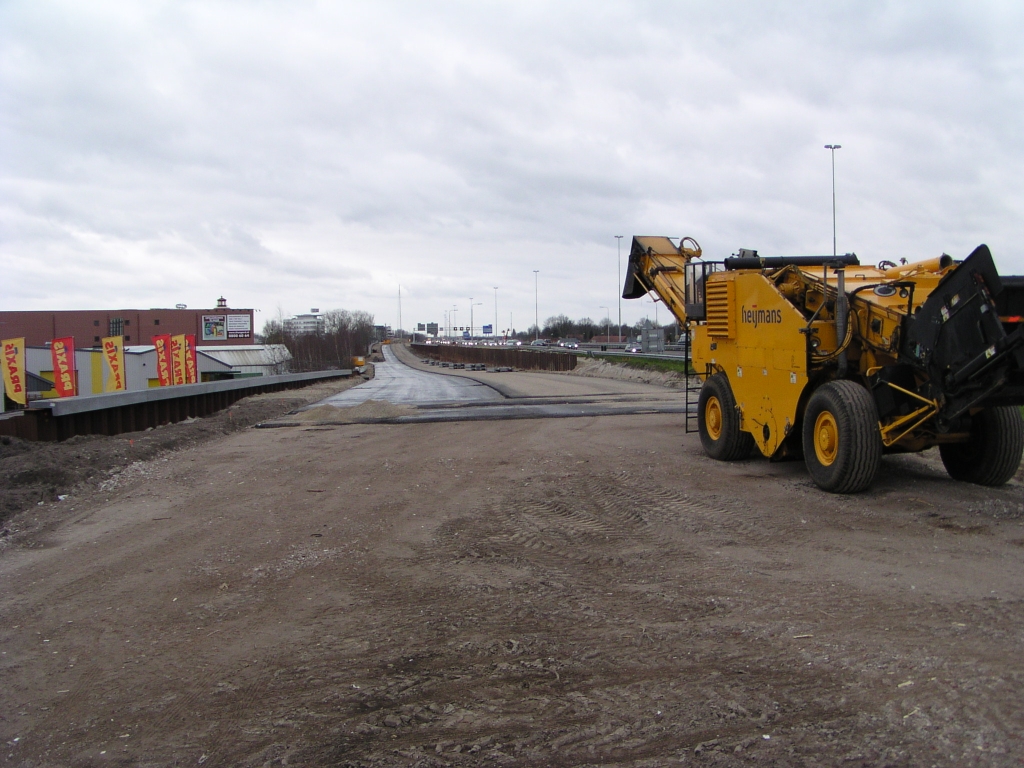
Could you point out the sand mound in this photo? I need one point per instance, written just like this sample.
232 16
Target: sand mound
369 410
602 369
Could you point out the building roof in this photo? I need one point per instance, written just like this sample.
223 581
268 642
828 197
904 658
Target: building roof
250 354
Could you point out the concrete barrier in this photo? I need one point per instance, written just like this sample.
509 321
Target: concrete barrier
522 358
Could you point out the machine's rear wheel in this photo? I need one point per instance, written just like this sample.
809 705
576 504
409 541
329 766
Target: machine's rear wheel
719 423
994 452
842 444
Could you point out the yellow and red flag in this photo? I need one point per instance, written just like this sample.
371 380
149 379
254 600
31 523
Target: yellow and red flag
163 359
178 358
191 369
63 353
113 356
15 381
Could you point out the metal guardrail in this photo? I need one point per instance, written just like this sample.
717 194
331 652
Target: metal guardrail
118 412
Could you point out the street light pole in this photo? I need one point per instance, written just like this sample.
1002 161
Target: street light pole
536 302
494 330
607 324
833 148
618 290
471 305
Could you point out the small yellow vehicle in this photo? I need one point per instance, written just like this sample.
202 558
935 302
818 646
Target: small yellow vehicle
827 359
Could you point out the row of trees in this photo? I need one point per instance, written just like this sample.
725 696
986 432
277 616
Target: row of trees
584 329
344 334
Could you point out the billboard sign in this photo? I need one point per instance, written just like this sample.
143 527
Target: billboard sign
240 327
487 329
215 327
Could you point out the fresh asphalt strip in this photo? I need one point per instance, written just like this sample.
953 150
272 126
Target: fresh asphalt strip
556 409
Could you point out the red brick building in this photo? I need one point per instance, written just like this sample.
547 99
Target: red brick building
211 327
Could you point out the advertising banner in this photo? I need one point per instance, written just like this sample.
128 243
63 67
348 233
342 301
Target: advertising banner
239 327
15 381
191 368
63 353
163 359
215 327
113 357
178 358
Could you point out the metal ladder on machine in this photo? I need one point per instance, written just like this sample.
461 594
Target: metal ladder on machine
693 384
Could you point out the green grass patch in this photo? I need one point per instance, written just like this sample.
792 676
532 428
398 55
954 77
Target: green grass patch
648 363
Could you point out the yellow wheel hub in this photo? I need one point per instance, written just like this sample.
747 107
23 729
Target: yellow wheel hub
826 438
713 417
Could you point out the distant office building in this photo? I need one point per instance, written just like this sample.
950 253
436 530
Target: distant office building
219 326
303 324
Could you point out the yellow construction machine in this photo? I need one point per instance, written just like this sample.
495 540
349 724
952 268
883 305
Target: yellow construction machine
837 362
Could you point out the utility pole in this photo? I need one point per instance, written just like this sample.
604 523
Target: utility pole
471 305
618 329
494 331
536 304
833 148
607 324
399 328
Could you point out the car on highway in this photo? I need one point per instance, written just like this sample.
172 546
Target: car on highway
538 343
569 343
513 343
634 348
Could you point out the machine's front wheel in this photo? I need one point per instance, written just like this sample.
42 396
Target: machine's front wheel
842 444
993 454
719 423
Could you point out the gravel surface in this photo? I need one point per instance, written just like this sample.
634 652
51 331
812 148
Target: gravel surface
524 593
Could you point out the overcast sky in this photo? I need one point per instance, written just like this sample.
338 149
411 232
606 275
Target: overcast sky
291 155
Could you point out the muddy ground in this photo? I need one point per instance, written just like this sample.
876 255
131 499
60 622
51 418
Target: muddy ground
525 593
39 472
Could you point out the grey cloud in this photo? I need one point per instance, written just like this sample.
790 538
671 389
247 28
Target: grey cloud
309 154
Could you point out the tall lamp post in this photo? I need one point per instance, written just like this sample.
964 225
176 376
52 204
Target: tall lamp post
833 148
618 290
453 317
494 330
471 305
607 324
536 302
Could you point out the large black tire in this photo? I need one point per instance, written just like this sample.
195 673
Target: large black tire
994 452
718 422
842 443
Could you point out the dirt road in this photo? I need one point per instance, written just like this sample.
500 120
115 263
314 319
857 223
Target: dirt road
545 592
